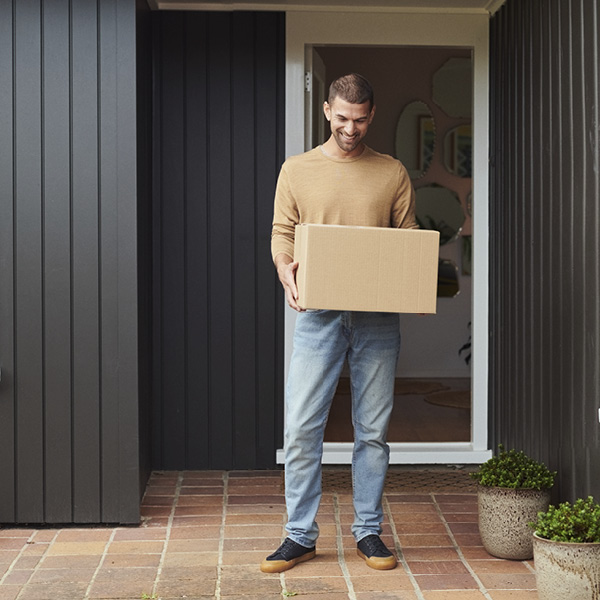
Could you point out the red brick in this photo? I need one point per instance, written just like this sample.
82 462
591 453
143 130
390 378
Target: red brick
446 582
430 553
498 566
432 567
508 581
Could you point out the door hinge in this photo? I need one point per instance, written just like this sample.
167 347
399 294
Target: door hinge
307 82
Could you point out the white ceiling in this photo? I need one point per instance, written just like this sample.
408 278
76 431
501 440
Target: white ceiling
454 6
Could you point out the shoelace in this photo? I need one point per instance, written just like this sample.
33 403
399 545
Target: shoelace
375 546
286 548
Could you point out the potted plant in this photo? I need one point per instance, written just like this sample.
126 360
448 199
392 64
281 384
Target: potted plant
513 489
566 548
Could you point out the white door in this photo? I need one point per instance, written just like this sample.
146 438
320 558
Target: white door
305 30
315 77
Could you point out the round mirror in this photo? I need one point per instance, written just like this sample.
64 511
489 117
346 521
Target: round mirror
439 208
415 138
457 151
448 285
453 87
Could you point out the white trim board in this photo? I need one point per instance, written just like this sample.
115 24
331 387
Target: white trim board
451 453
426 6
442 30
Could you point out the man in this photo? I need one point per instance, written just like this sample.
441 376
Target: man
342 182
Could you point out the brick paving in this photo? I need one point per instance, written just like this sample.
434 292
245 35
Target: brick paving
203 535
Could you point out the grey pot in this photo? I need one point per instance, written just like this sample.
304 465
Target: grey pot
504 517
566 571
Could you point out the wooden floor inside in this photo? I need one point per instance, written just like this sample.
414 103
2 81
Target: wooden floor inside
425 410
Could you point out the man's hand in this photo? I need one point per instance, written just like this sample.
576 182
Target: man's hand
286 270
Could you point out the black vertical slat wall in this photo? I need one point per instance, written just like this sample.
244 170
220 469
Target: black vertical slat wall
68 294
218 311
144 223
545 236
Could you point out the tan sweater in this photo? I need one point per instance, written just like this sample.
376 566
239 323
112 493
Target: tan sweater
371 190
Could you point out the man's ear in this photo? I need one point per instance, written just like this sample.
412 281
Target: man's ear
327 110
372 114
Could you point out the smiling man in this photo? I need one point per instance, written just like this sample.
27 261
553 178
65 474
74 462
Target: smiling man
342 182
349 123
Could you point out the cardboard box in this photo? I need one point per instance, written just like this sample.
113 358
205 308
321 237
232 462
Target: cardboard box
377 269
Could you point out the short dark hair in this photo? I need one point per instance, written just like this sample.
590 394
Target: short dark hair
353 88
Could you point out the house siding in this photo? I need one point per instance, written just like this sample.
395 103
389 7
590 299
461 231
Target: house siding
144 224
68 300
545 237
218 309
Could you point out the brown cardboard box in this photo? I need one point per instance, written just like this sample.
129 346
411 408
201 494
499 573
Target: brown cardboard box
377 269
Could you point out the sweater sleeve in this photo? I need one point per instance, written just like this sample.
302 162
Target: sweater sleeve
285 217
403 210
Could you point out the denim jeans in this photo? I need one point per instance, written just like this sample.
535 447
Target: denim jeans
323 339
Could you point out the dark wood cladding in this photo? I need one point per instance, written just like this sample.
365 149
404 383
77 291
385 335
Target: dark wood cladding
68 299
144 234
218 314
545 236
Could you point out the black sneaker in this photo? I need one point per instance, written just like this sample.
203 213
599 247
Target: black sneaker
286 556
375 553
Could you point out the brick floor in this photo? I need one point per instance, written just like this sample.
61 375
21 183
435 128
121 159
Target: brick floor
203 535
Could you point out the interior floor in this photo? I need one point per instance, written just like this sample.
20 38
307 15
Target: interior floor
425 410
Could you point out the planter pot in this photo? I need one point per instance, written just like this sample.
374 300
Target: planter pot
504 515
565 571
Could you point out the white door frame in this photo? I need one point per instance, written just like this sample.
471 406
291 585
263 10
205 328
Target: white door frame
410 29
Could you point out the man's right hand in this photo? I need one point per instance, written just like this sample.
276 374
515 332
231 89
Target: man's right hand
286 270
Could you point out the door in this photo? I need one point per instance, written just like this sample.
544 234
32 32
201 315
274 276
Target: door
306 31
314 86
432 400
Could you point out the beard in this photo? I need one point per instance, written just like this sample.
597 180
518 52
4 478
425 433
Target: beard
347 144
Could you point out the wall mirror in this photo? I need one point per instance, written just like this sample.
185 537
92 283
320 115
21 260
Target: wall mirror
458 143
439 208
415 138
452 85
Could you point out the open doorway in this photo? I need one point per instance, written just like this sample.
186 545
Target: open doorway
393 29
424 113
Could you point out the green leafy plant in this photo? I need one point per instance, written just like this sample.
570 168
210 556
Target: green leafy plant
577 523
514 469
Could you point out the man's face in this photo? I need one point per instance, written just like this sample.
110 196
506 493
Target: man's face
349 124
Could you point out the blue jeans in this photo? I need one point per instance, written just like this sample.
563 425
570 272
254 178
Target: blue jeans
323 339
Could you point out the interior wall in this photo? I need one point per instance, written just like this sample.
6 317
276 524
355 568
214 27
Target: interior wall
401 75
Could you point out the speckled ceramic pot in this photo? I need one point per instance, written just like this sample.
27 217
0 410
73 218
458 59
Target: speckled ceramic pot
504 517
566 571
